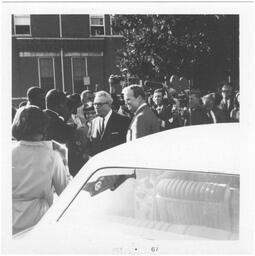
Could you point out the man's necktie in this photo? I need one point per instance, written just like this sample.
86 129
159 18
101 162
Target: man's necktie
102 126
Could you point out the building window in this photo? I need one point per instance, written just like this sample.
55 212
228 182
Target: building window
79 73
97 25
22 25
46 72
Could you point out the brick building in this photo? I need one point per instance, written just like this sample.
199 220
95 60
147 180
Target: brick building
66 52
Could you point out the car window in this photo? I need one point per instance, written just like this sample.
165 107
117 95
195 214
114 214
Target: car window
190 203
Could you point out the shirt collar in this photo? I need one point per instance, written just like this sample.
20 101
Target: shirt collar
45 143
159 107
142 105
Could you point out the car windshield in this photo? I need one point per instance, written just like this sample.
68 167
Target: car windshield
164 202
106 182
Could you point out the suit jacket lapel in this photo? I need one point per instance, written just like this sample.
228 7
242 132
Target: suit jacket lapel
134 117
141 109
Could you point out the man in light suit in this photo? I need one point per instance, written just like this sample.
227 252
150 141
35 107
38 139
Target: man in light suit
144 121
109 128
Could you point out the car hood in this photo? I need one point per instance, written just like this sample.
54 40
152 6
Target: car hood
99 237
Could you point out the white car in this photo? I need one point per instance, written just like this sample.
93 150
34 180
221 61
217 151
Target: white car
167 192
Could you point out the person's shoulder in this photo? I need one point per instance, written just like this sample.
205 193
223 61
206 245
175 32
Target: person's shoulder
47 112
15 146
51 115
145 114
119 116
148 112
56 158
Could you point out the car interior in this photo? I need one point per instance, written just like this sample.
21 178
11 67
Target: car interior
195 204
190 203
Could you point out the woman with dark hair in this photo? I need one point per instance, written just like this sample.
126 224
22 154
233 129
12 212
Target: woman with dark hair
37 168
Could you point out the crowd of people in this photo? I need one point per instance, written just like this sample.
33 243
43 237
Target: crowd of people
86 124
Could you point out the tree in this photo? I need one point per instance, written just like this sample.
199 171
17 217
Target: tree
194 46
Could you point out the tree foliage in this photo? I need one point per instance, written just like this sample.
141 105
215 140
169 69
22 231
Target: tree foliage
157 46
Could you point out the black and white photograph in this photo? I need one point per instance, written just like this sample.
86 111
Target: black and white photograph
131 128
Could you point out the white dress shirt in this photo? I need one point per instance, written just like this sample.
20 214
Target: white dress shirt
106 118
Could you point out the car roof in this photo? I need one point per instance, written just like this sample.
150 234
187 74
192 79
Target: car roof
209 148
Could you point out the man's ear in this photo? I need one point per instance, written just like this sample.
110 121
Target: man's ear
140 99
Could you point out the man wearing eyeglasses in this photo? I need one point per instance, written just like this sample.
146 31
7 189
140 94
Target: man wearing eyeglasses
109 128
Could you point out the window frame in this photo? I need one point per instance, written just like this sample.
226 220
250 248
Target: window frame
90 25
53 69
14 23
72 68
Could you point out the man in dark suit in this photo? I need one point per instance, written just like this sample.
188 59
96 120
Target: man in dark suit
215 114
57 112
197 113
109 128
144 121
163 111
227 102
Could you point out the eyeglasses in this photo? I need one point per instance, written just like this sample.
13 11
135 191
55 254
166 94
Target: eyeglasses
100 104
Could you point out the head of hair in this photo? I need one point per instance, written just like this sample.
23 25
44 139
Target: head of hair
86 92
106 95
34 92
29 121
159 91
73 102
76 99
54 98
137 90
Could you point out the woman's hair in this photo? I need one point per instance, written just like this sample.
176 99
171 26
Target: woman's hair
29 121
